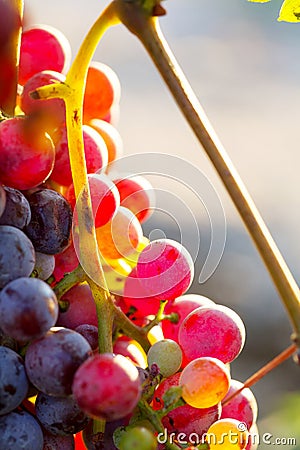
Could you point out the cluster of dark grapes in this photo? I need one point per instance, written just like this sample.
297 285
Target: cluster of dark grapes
53 381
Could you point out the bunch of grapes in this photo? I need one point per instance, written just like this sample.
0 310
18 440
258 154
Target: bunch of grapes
56 390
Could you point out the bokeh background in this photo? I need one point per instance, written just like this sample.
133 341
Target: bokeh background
245 68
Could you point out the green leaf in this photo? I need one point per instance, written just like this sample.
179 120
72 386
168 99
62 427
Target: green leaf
290 11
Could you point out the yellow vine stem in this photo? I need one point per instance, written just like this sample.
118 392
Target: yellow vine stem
147 29
72 92
13 51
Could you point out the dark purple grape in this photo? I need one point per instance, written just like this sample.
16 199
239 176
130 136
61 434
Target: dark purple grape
52 442
13 380
44 265
90 333
2 196
60 415
52 360
20 431
28 308
17 256
51 221
8 341
17 211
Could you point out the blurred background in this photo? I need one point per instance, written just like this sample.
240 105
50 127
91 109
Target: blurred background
245 68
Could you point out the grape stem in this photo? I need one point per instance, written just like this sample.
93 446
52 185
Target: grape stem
68 281
279 359
147 29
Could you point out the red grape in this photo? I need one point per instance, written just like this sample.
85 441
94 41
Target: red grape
182 306
215 331
165 269
136 194
26 154
65 262
104 195
43 48
242 407
107 386
95 154
52 109
81 309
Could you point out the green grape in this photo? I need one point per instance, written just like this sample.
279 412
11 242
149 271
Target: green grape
137 438
167 355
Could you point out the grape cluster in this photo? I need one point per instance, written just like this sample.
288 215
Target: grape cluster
54 385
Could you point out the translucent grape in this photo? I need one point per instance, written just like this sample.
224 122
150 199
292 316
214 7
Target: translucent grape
20 431
120 236
13 380
107 386
205 382
181 306
165 269
51 221
131 349
215 331
104 195
17 211
43 47
26 153
227 433
111 136
17 256
52 360
102 90
242 407
167 355
136 194
95 153
60 415
184 419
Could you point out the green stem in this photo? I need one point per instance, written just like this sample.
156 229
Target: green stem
147 30
158 318
125 325
68 281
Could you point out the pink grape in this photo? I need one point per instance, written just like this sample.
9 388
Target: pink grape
137 297
182 306
54 108
95 154
105 198
81 309
43 48
215 331
242 407
165 269
184 419
107 386
120 236
205 382
111 137
136 194
130 349
26 153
